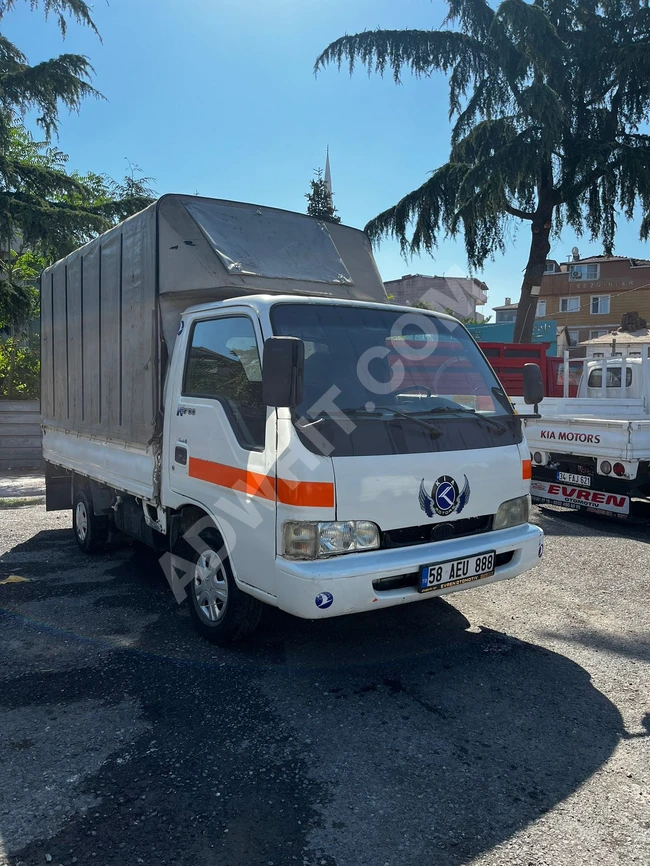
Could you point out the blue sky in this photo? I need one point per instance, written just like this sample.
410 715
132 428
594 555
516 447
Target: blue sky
218 97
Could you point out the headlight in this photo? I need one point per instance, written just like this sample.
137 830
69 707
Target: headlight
306 540
512 513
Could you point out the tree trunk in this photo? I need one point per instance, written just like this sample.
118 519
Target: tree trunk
539 250
13 350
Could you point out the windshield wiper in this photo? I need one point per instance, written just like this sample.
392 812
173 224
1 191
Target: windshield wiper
502 397
463 410
376 412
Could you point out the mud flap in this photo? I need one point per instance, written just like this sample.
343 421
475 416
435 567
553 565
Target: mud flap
58 488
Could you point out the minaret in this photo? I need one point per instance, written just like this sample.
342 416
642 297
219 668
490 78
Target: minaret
328 174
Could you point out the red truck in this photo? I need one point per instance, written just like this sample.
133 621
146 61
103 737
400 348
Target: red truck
508 359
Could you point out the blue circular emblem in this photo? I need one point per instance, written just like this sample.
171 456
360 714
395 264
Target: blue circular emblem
324 600
445 495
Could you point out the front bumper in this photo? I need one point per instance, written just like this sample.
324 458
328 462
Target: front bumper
305 588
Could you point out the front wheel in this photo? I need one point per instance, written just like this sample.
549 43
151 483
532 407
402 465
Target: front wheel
220 611
90 530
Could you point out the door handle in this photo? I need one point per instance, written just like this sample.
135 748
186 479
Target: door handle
180 455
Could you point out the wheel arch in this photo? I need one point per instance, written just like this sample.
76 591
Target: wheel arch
187 516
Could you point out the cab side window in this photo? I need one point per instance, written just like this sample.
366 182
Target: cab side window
223 363
613 379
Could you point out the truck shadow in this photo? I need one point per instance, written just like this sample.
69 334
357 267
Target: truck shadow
403 736
556 521
637 649
440 742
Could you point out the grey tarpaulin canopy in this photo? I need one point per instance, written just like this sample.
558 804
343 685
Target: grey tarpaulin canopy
110 310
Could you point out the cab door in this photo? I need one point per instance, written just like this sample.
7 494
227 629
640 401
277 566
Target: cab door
222 439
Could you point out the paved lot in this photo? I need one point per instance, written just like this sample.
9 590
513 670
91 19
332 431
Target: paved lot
509 726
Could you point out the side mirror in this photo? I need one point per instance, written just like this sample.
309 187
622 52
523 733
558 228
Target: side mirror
533 385
283 363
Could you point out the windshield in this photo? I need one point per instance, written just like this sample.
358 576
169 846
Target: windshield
385 381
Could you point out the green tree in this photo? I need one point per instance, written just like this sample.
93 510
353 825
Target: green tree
319 199
46 86
44 211
19 305
468 320
63 211
53 212
49 209
76 9
549 101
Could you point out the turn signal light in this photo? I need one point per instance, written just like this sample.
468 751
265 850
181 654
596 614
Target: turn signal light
526 470
619 469
605 467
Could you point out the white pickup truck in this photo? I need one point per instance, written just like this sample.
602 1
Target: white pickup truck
592 451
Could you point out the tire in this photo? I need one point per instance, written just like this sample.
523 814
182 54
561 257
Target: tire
220 611
90 531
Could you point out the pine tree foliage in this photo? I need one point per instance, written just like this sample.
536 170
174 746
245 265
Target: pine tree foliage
45 211
319 199
550 102
48 209
76 9
53 212
43 88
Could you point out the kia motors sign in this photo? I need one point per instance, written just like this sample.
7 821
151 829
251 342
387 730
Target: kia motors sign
570 436
573 497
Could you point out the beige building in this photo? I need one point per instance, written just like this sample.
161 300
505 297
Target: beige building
461 295
506 312
629 344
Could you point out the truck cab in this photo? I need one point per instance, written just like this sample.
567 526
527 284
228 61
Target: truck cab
623 378
388 460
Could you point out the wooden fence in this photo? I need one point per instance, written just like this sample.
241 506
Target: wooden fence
20 434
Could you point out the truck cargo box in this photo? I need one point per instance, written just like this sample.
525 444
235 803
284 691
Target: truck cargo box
110 310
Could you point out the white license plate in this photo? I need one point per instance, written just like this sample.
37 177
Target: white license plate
585 480
456 571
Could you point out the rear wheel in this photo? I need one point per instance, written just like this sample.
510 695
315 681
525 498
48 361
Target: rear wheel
90 530
220 611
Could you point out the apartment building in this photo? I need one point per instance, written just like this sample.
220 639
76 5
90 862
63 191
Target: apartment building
589 296
505 313
461 295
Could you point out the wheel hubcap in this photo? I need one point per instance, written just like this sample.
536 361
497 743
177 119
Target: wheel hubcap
81 521
210 586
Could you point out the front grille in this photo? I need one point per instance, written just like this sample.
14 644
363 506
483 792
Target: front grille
503 558
429 532
400 581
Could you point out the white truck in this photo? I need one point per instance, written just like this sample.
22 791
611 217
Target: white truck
592 451
226 383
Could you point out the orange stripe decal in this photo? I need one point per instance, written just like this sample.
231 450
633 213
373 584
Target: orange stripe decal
229 476
307 494
526 470
310 494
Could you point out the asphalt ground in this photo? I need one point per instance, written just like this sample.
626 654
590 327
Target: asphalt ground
508 725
